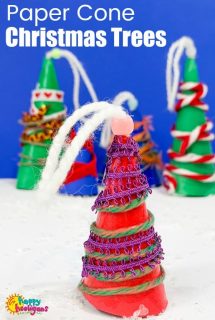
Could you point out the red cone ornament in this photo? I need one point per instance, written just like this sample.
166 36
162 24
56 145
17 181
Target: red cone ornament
122 274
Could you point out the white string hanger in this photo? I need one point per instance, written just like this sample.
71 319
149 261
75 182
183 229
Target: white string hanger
126 96
78 71
184 44
120 99
53 178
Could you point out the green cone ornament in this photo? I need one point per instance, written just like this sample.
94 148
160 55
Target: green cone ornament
191 171
47 113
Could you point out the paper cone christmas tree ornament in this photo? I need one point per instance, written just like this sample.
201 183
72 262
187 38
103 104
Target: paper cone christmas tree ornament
46 115
121 267
191 171
151 160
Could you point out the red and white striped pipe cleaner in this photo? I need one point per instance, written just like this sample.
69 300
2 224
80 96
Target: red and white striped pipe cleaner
200 133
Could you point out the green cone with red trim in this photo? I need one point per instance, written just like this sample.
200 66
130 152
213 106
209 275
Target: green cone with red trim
46 115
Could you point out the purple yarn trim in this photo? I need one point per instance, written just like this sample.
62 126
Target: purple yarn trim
121 175
95 241
125 153
120 149
119 141
139 191
121 194
137 184
93 266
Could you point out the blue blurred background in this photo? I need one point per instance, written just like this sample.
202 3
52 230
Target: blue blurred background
140 70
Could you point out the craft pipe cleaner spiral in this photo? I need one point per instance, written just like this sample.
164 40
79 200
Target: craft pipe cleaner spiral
173 66
56 170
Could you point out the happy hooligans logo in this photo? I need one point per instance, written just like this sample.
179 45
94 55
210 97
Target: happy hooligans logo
17 304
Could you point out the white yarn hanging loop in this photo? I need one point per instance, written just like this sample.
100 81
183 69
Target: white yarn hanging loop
126 96
78 71
120 99
54 176
184 44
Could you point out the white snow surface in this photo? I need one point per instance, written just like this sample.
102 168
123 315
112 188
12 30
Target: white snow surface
41 245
